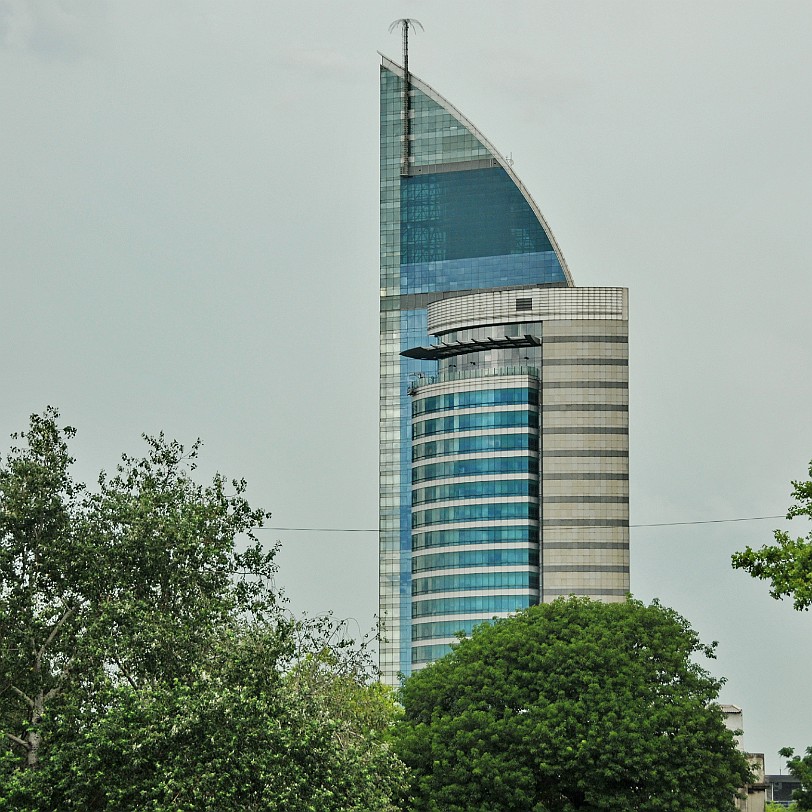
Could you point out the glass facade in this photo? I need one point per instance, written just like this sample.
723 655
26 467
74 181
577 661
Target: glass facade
458 221
472 535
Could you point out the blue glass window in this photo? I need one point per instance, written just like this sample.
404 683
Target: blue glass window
475 582
432 630
476 490
475 467
499 557
475 535
474 444
478 420
471 604
428 654
456 215
469 513
482 397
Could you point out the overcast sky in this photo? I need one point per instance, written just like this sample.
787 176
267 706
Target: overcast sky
189 243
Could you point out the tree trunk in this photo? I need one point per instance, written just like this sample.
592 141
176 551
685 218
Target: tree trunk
33 737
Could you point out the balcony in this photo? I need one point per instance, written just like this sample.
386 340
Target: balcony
468 374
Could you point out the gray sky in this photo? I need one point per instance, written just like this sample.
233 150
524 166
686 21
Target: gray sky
189 243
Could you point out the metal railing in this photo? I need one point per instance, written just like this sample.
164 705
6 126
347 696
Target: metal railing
470 374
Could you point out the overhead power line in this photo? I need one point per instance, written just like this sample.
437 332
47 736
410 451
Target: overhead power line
656 524
711 521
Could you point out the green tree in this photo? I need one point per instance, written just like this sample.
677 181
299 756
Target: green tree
787 564
126 583
251 728
571 705
800 767
146 662
44 580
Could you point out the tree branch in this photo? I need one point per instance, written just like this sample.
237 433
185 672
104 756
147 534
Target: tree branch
24 744
25 697
126 673
59 680
54 633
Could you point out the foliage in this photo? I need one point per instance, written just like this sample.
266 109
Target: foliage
244 731
46 575
146 662
801 768
787 564
570 705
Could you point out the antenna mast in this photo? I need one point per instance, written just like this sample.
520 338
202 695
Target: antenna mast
406 23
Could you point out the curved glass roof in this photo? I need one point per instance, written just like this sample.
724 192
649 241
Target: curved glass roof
466 220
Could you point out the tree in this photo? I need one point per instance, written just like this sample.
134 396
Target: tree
570 705
44 574
800 767
787 564
252 728
147 663
126 583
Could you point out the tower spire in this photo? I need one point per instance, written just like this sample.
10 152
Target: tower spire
406 23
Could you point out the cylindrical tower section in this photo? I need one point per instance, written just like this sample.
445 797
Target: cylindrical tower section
475 502
585 459
582 360
520 457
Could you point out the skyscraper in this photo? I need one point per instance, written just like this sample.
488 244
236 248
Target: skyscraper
504 393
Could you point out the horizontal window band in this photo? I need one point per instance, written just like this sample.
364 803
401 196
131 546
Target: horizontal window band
577 339
585 385
491 534
430 602
475 581
525 465
576 476
432 630
592 362
426 553
525 556
586 500
470 478
422 655
508 417
475 489
579 452
586 568
476 617
587 592
585 545
472 412
586 430
501 602
476 398
475 443
485 523
468 513
585 522
586 407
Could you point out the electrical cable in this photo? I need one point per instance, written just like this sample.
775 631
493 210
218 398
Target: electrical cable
657 524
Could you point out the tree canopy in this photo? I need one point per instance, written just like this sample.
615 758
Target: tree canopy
571 705
800 767
787 564
146 662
